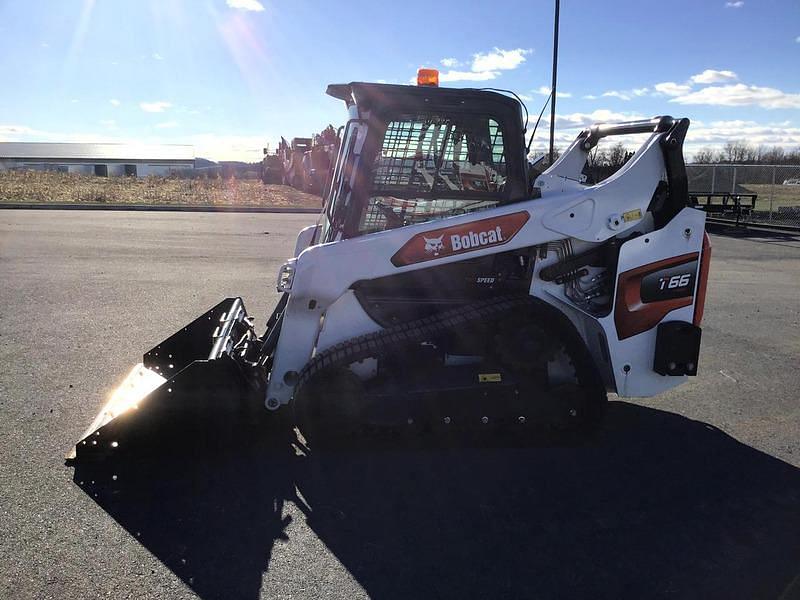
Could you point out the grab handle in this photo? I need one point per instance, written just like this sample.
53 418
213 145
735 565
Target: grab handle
596 132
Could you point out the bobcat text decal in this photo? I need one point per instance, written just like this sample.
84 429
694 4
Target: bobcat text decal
457 239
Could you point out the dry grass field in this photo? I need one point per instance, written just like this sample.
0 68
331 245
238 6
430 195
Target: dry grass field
38 186
774 195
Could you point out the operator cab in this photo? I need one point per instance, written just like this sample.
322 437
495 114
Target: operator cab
412 154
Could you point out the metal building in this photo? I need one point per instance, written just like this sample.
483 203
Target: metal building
98 159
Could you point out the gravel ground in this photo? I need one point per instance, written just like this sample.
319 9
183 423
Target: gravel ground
695 494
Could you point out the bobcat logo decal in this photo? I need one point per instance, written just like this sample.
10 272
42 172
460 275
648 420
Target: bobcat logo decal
443 242
434 245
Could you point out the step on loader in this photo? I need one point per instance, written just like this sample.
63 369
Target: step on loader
441 288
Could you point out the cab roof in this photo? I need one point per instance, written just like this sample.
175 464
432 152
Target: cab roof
382 97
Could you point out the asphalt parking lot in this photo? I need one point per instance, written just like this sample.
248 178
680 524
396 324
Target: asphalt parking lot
695 494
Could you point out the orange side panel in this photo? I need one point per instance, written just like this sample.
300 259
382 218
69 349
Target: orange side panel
631 315
705 263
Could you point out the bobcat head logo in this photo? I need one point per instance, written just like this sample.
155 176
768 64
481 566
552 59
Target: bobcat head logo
433 245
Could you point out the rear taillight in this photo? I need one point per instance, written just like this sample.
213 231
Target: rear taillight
700 295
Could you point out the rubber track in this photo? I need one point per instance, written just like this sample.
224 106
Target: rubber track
387 341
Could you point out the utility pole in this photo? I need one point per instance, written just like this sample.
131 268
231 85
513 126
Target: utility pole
553 86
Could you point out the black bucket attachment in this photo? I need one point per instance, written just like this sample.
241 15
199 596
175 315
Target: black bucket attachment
191 391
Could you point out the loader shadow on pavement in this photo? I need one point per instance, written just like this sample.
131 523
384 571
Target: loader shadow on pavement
764 236
656 506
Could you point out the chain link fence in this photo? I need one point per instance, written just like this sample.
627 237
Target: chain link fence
757 194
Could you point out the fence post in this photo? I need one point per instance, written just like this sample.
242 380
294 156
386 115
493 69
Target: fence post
713 178
772 191
733 183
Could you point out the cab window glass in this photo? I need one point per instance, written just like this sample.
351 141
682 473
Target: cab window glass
432 166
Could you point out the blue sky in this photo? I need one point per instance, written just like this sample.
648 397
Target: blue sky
229 76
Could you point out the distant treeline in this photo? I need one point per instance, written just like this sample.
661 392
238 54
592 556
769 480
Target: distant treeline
605 161
741 152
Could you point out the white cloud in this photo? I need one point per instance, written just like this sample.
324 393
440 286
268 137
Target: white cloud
253 5
108 122
700 135
717 133
115 102
167 125
498 60
464 76
712 76
155 107
670 88
740 95
620 94
545 91
157 56
737 4
568 124
485 66
8 132
616 94
578 119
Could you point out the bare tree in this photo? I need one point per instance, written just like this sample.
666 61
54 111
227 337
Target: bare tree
736 151
618 155
740 152
614 156
705 156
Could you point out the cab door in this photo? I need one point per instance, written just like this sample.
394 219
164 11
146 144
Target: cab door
339 203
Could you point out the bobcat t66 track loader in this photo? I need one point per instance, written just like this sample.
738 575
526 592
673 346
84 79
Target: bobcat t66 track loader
441 289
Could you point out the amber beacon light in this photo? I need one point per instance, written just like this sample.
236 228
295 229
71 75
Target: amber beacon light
429 77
